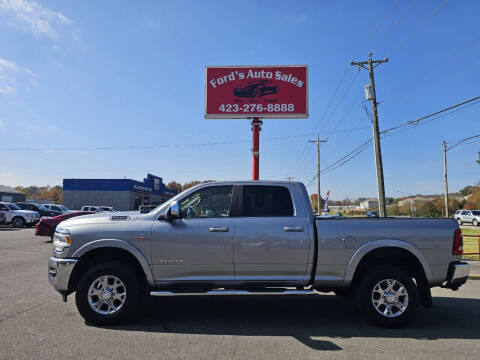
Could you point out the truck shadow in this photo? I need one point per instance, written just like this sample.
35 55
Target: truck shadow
302 317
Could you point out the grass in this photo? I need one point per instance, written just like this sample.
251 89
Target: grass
470 244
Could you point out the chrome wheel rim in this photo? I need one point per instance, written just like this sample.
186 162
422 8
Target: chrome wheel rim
390 298
107 295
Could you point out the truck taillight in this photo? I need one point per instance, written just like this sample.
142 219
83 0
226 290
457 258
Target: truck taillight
457 243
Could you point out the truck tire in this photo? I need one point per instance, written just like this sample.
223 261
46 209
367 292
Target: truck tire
109 294
459 221
387 296
475 222
18 222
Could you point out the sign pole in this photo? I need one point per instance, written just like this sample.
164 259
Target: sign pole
256 128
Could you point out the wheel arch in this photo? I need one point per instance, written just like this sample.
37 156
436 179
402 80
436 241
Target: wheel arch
106 250
386 249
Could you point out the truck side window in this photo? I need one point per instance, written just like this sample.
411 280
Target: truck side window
212 201
264 201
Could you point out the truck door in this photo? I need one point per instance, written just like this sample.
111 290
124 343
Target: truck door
271 238
199 245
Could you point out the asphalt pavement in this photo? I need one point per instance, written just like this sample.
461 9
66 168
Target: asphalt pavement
36 324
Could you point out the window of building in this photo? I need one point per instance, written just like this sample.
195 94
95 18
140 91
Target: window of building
262 201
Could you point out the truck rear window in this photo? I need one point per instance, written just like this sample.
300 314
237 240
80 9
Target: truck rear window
263 201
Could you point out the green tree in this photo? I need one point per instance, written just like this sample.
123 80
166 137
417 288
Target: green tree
467 190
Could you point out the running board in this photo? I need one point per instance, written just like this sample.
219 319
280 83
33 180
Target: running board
233 292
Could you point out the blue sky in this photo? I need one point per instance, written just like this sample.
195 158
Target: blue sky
91 74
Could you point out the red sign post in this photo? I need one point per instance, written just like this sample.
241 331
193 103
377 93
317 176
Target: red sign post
256 92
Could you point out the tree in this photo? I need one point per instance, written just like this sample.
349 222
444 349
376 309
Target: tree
429 209
189 184
174 186
473 202
467 190
314 201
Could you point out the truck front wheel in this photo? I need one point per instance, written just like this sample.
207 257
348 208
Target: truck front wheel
108 294
387 296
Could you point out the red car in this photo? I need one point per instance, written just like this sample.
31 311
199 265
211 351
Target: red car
46 226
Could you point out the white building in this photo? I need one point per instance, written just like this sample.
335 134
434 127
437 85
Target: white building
369 204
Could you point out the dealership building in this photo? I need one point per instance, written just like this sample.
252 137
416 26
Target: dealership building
121 194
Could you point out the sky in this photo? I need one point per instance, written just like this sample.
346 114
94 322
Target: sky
89 74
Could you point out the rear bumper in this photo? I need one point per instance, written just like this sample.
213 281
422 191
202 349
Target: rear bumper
59 271
457 275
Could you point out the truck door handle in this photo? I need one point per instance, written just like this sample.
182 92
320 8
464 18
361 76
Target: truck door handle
219 229
293 228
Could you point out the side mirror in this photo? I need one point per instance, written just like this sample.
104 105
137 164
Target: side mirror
174 210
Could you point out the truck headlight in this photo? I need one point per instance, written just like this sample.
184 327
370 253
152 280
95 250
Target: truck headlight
61 240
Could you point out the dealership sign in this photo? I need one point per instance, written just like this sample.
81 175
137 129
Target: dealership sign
256 91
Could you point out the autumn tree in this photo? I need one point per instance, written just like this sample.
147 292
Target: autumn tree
174 186
314 201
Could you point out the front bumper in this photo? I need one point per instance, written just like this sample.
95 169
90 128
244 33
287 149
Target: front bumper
32 221
457 275
59 271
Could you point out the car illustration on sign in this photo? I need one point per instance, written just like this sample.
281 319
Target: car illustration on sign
256 89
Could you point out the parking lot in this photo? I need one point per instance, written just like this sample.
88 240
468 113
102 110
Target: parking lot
36 324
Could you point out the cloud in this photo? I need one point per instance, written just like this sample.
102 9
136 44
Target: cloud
7 90
13 75
33 18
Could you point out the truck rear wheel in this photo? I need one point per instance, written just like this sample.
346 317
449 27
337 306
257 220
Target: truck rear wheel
108 294
387 296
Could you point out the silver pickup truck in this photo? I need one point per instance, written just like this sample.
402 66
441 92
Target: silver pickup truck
252 238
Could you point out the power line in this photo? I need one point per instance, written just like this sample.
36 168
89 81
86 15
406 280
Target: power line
402 17
419 26
461 141
360 148
303 155
382 21
149 147
417 121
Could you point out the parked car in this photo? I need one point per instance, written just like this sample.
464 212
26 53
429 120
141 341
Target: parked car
42 210
3 219
256 89
46 226
253 237
92 208
468 216
60 208
339 214
17 217
372 214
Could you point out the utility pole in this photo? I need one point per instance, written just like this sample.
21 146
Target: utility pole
318 141
445 179
371 95
289 178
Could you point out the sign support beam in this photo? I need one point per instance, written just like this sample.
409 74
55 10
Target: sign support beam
256 128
